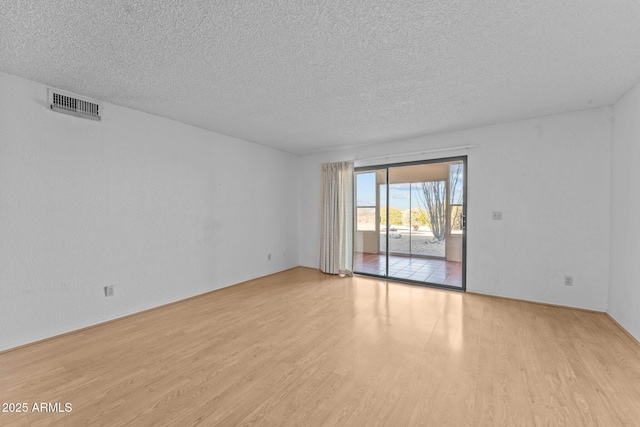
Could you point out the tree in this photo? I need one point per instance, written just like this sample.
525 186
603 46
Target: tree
432 196
456 197
455 178
395 216
418 218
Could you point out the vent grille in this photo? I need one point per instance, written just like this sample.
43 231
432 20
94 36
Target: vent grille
70 104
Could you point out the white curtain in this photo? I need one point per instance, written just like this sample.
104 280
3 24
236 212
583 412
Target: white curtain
336 219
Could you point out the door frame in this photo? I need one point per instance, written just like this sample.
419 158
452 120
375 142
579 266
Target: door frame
386 167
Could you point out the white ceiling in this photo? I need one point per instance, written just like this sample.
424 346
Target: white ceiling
306 76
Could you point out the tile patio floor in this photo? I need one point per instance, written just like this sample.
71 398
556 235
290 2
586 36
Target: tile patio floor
436 271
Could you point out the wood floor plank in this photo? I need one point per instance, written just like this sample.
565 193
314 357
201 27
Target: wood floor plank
304 348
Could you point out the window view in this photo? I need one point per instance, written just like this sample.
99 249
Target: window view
366 219
456 219
366 202
456 179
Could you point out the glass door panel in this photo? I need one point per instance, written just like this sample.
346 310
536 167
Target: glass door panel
456 213
431 201
399 225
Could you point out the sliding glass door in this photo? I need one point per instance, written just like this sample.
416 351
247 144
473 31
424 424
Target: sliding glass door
410 222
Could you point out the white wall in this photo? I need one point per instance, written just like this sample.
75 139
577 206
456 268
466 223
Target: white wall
159 209
624 290
164 211
550 176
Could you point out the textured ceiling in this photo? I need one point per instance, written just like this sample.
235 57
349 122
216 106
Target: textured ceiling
306 76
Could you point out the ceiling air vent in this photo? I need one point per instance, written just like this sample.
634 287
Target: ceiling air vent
69 103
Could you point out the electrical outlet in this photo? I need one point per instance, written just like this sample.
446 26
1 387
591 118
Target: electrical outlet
496 215
568 280
268 257
108 291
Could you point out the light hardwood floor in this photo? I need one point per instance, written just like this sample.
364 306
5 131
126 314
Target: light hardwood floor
303 348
